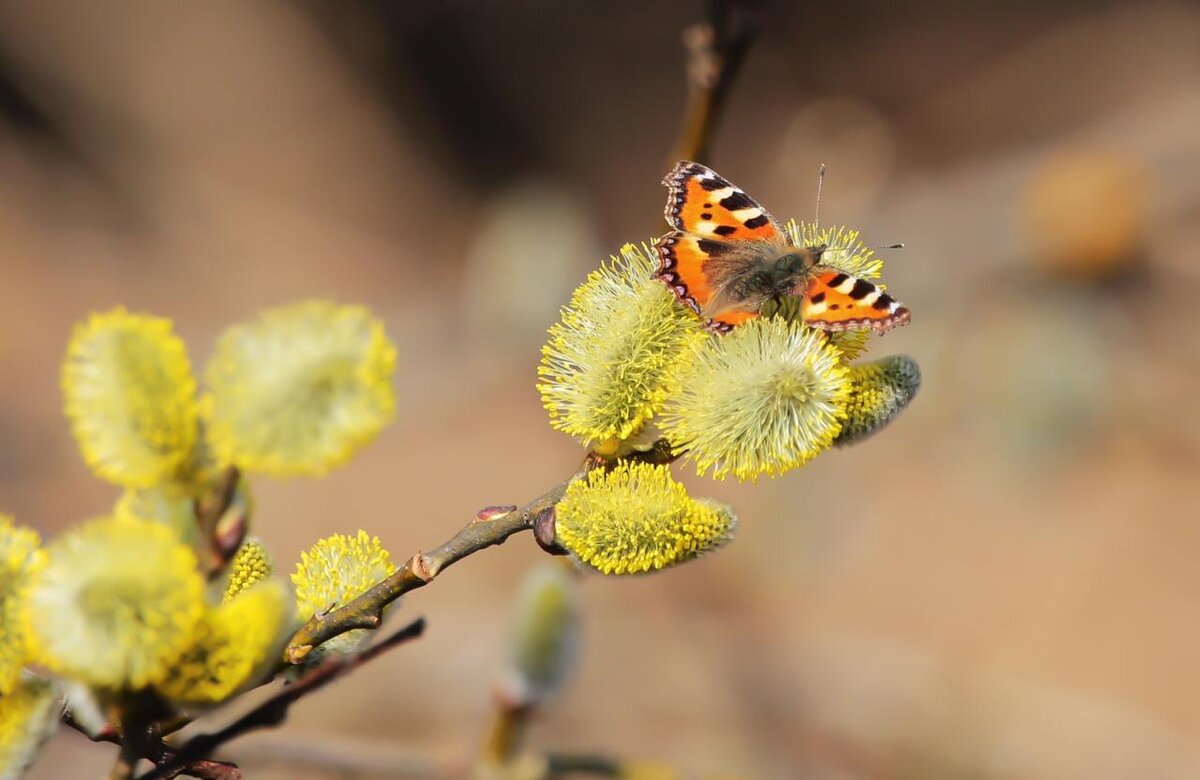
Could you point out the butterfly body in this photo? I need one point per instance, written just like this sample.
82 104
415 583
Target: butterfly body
726 257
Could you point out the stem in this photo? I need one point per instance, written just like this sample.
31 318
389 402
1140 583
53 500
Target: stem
716 49
133 742
510 724
366 611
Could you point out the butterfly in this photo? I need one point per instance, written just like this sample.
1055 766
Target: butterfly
726 257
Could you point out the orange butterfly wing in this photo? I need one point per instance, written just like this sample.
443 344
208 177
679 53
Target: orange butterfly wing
703 203
835 301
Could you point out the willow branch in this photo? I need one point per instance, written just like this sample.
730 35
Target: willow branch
510 724
273 711
158 751
716 49
366 611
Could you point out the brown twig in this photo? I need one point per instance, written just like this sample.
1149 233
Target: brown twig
274 710
716 49
134 740
204 769
506 736
158 751
366 611
107 732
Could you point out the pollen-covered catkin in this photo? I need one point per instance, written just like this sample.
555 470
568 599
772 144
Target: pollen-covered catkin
635 518
335 571
879 391
116 603
300 389
764 399
612 359
130 396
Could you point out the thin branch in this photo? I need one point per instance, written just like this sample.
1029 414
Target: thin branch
273 711
506 736
107 733
159 751
222 535
204 769
134 741
716 49
366 611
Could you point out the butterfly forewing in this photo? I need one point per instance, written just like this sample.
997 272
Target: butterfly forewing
702 202
833 301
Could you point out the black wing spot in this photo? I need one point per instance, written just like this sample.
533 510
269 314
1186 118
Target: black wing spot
834 306
711 247
818 297
706 215
861 290
713 183
838 280
756 222
725 230
883 302
737 201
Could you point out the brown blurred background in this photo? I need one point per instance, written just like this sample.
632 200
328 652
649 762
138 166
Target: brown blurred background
1001 585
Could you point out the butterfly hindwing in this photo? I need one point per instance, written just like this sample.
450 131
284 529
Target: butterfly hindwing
699 271
704 203
687 263
833 301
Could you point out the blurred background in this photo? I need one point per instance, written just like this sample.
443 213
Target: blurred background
1001 585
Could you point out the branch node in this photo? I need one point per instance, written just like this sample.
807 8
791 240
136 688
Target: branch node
423 567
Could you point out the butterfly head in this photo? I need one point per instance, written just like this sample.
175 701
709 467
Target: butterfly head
797 260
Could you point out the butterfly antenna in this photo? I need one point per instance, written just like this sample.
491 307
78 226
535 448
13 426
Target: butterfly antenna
889 246
820 184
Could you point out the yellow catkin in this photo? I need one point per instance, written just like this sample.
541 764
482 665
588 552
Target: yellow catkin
333 572
130 396
28 716
636 519
251 564
546 632
878 392
763 399
300 389
237 642
611 360
116 602
20 555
